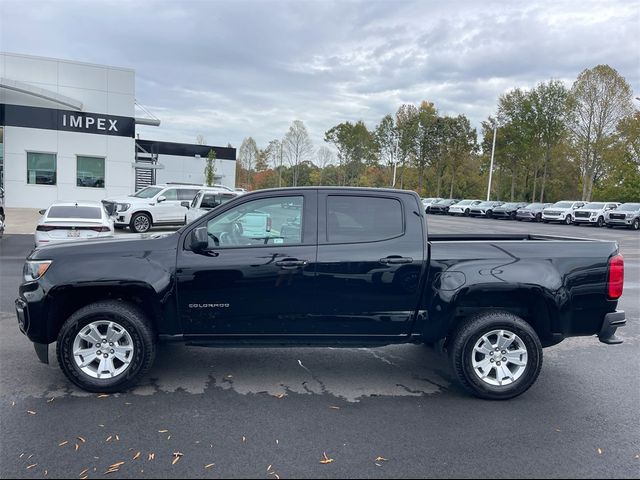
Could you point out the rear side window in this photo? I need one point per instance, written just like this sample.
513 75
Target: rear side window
90 213
353 219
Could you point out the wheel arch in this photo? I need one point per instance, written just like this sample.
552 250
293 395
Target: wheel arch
66 300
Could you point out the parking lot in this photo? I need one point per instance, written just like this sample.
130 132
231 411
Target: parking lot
376 412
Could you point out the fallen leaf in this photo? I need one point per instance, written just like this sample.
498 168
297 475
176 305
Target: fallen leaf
600 452
152 456
32 466
109 438
268 468
334 408
280 395
558 430
81 439
62 444
378 465
46 472
243 439
101 425
136 456
169 437
209 465
117 438
81 474
163 431
77 447
127 403
277 441
31 412
325 460
381 459
13 404
51 400
103 395
177 456
21 455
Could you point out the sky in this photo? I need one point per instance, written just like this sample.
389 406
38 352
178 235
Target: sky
233 69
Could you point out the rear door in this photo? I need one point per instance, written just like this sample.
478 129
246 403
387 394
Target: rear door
371 252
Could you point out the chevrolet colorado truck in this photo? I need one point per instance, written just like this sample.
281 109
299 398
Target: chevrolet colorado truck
347 267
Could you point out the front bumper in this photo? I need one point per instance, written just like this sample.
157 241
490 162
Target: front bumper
612 321
620 222
22 312
585 219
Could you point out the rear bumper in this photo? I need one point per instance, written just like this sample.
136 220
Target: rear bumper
612 321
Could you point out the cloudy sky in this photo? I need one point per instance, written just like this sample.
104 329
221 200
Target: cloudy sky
228 70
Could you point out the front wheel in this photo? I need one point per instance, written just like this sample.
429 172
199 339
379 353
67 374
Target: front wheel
496 355
636 224
106 346
600 222
568 219
489 214
140 223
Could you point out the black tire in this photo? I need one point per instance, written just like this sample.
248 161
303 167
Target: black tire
568 220
466 212
539 218
139 225
600 223
132 320
489 214
635 225
461 349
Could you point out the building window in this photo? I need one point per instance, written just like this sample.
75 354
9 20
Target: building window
90 172
41 168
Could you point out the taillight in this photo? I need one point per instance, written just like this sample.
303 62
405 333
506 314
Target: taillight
44 228
615 282
100 229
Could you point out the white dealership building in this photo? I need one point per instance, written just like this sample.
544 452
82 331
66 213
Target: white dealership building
68 132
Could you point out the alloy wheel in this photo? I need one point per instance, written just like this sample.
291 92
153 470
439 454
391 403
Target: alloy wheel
499 358
103 349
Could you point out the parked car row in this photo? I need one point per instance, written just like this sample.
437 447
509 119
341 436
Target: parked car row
599 214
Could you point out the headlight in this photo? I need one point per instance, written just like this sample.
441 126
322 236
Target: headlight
594 214
35 269
629 215
123 207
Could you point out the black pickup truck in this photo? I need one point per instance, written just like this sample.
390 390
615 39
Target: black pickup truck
341 267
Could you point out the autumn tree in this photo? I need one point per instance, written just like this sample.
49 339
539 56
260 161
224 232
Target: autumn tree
600 99
248 155
297 147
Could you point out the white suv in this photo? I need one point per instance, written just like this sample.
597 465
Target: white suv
561 211
593 213
154 205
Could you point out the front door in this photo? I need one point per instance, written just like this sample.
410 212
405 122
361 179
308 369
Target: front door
169 210
256 277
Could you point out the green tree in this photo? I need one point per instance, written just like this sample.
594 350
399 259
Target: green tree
210 168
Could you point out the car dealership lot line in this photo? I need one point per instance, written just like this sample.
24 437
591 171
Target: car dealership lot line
292 405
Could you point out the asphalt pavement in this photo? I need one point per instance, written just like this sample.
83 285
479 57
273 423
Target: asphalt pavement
274 413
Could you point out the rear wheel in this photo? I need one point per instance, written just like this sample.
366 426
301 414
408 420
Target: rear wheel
496 355
105 346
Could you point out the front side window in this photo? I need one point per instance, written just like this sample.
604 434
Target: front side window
269 221
363 219
41 168
170 194
90 172
187 193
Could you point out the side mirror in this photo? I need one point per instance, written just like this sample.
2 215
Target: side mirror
43 211
199 239
186 205
161 198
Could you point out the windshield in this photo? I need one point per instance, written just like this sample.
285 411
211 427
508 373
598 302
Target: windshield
465 202
594 206
509 205
629 207
563 205
534 205
85 213
147 192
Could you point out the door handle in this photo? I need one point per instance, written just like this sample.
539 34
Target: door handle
396 260
291 263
